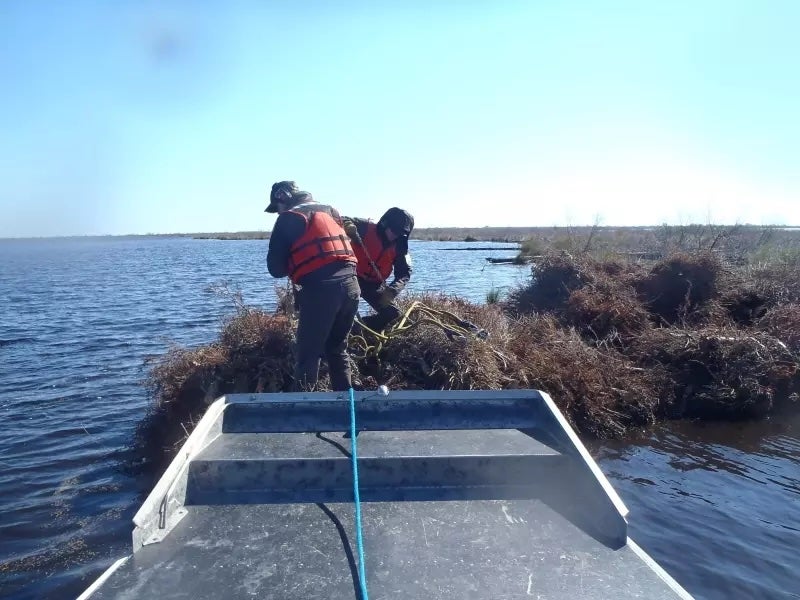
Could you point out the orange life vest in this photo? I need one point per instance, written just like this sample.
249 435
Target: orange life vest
324 242
373 249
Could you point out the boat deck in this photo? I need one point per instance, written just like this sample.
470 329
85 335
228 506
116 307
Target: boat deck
491 549
464 495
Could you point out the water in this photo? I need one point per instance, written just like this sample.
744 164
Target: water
717 506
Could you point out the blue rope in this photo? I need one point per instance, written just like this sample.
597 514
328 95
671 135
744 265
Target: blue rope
362 577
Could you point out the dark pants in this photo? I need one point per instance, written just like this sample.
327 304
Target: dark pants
327 310
383 314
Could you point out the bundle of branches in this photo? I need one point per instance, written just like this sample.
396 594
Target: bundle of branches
601 392
778 280
783 322
744 303
606 316
553 278
489 317
260 349
679 289
254 352
596 297
750 292
720 372
428 356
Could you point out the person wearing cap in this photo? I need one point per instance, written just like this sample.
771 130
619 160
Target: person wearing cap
309 245
381 249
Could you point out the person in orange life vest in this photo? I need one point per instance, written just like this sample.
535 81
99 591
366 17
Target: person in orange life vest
308 245
382 248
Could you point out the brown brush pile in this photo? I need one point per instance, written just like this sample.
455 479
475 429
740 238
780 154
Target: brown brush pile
617 345
600 392
777 281
782 322
597 298
428 357
254 352
720 372
680 288
715 343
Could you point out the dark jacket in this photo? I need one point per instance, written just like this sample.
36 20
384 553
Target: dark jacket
288 228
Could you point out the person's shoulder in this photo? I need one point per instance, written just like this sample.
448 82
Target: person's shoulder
328 209
289 216
289 224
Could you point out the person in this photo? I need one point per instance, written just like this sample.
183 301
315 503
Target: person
309 245
381 248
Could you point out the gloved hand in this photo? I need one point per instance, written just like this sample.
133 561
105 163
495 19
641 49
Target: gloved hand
387 296
351 230
296 292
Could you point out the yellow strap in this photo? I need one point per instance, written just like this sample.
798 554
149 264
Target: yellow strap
426 314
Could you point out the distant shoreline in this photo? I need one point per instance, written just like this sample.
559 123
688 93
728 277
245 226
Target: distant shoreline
436 234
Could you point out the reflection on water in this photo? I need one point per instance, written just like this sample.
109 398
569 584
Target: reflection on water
718 505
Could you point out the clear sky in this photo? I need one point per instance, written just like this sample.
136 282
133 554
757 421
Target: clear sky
152 117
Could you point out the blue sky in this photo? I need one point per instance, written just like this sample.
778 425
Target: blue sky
147 117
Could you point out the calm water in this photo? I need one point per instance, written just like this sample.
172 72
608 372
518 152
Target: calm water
718 506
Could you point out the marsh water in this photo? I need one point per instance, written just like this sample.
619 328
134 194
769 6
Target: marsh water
717 505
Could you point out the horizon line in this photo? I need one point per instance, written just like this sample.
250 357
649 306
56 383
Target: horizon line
518 228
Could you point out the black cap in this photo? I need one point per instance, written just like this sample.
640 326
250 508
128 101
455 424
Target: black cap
282 191
398 220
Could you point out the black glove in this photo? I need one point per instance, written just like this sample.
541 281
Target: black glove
387 296
351 230
296 292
